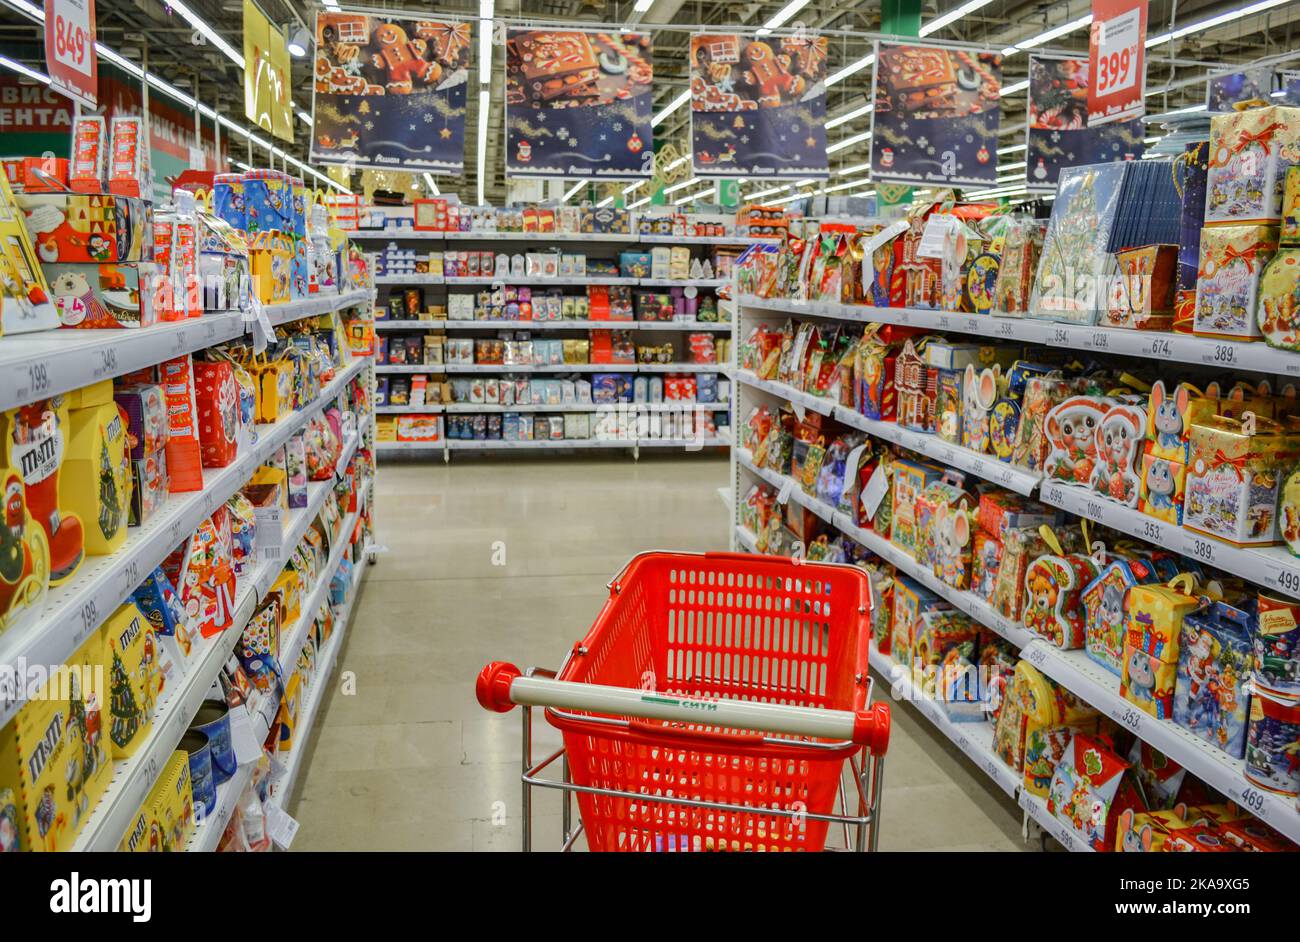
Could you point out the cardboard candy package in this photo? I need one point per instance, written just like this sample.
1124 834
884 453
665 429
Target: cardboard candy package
88 228
103 296
25 302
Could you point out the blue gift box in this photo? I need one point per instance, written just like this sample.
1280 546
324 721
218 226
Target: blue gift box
1211 697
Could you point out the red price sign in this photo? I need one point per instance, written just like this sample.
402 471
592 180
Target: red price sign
70 49
1117 60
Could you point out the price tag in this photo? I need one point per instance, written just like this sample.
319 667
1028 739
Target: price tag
1036 654
242 739
70 49
1285 579
874 492
281 827
1117 53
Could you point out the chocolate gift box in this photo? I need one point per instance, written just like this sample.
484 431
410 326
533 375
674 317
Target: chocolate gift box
1233 259
1214 659
1250 152
103 296
1151 643
1279 286
25 302
87 228
1141 294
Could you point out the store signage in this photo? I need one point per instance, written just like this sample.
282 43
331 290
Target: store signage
266 74
579 104
70 49
1117 61
390 92
758 105
1058 134
936 113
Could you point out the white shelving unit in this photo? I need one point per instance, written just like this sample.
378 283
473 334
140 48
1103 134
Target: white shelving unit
686 324
1272 567
398 233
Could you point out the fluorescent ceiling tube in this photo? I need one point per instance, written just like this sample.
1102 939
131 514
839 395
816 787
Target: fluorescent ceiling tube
643 6
848 142
850 69
1214 21
849 116
24 70
485 11
1047 37
694 196
431 183
952 16
576 187
1014 87
207 31
681 186
1012 149
633 187
484 102
783 14
676 103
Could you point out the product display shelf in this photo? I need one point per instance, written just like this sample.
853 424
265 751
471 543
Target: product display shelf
421 279
1271 566
974 739
539 282
208 831
316 305
1069 838
706 283
1093 683
103 583
423 235
932 446
692 324
1156 345
972 605
327 660
552 368
594 408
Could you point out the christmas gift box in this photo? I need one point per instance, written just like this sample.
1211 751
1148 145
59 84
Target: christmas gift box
96 472
1054 586
268 201
873 374
145 407
910 479
89 154
170 805
36 439
986 558
1020 250
1103 607
132 656
1141 295
911 601
948 406
1250 152
1273 744
1214 662
25 301
916 388
143 834
1071 428
1120 441
1040 395
1227 288
54 759
1163 487
103 296
1053 716
184 457
1009 728
270 262
1170 416
934 634
228 200
217 401
129 173
943 519
1234 478
24 558
87 228
1276 663
156 597
222 265
1155 622
1020 547
1278 312
1089 791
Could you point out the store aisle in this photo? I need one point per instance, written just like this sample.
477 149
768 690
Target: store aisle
508 559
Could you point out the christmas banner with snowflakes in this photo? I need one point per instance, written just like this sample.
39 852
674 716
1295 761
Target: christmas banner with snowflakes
758 106
936 115
578 104
1059 135
390 92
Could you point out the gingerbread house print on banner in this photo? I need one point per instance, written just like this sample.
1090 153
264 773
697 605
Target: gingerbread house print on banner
917 389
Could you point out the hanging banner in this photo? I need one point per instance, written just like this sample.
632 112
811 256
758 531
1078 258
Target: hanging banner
266 74
936 113
1222 92
758 106
578 104
390 92
1117 61
1290 87
1059 135
70 49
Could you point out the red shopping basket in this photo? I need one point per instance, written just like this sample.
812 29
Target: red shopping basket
732 627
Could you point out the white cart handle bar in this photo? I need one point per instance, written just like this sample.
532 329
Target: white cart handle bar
501 686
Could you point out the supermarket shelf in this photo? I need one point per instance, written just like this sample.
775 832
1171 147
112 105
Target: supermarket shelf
932 446
962 600
1272 566
1157 345
420 279
103 583
33 366
317 305
410 447
1036 808
689 444
406 232
538 282
1080 674
473 408
465 444
974 739
685 324
552 368
747 540
207 833
326 661
705 240
706 283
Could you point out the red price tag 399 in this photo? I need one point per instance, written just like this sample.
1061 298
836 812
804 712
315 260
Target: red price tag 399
1117 61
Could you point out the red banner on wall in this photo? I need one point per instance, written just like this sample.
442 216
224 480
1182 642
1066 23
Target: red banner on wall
1117 61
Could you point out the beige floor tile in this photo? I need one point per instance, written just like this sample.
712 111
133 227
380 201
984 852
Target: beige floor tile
409 761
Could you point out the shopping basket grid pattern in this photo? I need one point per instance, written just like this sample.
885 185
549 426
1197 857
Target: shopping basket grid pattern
717 627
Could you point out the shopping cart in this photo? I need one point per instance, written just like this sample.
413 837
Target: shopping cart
711 707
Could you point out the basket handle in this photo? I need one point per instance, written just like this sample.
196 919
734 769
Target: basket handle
660 728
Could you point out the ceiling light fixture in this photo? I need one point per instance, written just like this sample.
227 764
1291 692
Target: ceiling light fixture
781 15
299 40
1214 21
848 142
681 186
484 102
634 187
1047 37
306 119
1014 87
24 70
694 196
952 16
431 184
849 116
210 34
676 103
576 187
851 69
485 11
638 203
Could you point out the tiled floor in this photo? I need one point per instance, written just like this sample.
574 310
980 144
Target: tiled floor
507 559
